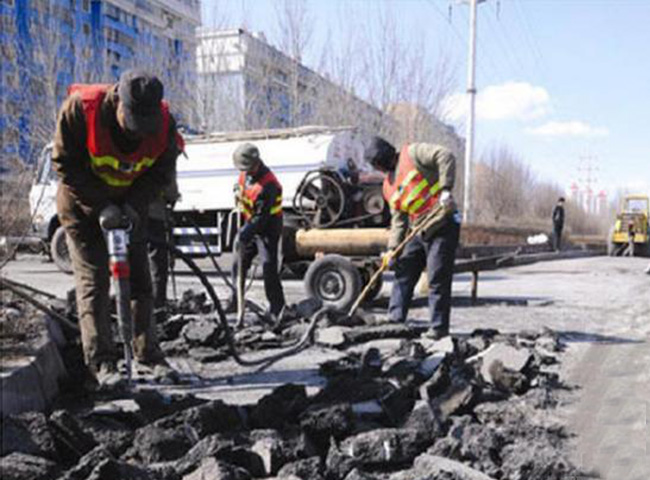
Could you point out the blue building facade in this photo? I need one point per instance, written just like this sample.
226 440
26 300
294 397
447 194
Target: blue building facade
46 45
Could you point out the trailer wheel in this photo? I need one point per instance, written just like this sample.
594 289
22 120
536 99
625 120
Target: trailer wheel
376 288
334 280
59 250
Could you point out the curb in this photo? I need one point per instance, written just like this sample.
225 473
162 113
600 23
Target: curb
31 382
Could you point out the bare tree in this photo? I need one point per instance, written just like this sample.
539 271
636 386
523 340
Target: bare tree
295 27
40 54
507 182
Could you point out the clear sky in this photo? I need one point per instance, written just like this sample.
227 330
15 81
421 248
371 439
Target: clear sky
558 80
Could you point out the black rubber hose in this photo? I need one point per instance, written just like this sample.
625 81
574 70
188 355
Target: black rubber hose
223 321
15 288
24 286
206 245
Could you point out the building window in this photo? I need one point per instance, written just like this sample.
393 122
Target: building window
12 80
113 12
85 5
8 51
86 29
112 35
8 25
113 55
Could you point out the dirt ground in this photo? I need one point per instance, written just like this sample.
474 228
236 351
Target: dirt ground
600 306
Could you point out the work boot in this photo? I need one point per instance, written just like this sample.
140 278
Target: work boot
109 378
231 304
159 368
436 333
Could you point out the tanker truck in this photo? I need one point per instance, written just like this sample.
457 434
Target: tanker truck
326 184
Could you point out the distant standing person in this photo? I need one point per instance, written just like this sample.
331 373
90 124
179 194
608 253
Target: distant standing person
558 224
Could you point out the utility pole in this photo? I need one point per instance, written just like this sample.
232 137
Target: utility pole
471 97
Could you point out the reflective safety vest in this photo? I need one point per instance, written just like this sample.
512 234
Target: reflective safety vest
249 194
409 191
117 169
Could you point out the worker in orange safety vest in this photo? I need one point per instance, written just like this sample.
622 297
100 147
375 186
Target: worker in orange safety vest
260 196
115 147
420 176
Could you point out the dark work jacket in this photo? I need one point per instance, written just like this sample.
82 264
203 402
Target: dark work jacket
558 217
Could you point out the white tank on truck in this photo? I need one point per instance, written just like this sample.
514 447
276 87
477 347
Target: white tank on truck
325 183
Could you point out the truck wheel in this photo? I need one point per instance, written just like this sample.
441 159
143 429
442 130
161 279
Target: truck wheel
59 251
334 280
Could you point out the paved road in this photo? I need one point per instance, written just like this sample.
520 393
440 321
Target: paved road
600 304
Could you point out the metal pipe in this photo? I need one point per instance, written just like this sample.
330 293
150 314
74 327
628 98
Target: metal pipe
345 241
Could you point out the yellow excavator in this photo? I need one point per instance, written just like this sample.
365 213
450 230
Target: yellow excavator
630 234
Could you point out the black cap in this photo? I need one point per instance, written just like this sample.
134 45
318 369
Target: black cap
141 94
380 154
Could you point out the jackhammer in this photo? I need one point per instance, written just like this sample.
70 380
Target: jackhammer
241 281
117 242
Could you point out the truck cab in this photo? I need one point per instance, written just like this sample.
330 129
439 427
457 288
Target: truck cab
42 205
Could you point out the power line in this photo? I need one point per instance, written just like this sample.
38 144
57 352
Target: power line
448 20
529 36
506 45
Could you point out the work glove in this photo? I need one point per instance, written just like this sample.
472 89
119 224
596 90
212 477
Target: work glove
447 201
129 212
387 259
245 235
111 217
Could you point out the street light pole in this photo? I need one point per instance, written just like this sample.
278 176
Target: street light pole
471 97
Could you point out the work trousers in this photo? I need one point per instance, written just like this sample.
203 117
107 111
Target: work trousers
437 254
159 265
266 246
89 257
557 238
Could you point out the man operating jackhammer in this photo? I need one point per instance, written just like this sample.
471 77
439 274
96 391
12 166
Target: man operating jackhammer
417 179
260 197
115 147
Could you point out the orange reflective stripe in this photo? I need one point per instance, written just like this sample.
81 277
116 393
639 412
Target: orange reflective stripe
409 191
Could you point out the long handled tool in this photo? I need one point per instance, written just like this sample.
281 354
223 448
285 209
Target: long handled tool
117 241
169 235
434 219
241 281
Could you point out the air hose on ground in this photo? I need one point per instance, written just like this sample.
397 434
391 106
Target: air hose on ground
16 287
223 321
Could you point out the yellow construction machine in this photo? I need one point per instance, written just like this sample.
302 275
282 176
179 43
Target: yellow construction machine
630 234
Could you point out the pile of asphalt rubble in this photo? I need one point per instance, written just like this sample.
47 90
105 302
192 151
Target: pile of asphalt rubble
475 407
